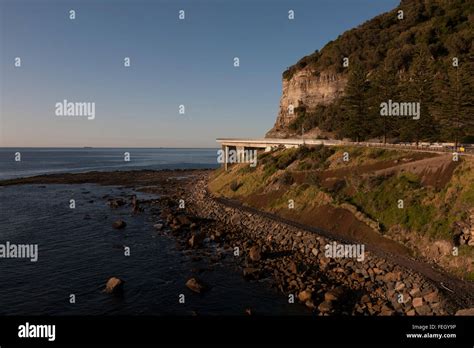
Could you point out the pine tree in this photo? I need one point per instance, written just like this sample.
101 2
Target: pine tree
356 105
419 88
385 88
455 105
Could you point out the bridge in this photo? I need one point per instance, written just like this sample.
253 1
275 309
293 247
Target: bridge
267 144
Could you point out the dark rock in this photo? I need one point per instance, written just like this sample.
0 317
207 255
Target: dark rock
119 224
158 227
183 220
251 273
115 202
196 240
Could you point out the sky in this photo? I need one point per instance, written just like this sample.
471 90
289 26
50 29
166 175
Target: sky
174 62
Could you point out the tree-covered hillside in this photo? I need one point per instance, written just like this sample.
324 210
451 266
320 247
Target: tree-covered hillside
423 54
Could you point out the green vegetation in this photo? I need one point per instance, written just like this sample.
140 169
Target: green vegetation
319 182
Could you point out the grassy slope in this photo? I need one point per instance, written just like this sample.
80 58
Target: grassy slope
320 178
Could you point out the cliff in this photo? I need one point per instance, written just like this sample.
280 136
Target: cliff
306 89
392 55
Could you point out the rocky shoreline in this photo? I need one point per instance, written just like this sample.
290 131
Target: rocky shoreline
290 258
295 260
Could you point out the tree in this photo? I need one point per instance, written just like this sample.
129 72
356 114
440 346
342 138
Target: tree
455 104
419 88
385 87
356 106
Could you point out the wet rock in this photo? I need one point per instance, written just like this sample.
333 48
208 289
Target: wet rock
135 205
251 273
158 227
195 285
119 224
114 286
115 202
255 253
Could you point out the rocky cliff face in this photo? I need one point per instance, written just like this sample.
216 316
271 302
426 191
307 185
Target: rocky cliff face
307 88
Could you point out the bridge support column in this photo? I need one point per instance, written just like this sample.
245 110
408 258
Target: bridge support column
240 154
226 155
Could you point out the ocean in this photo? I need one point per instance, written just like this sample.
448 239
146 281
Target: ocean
78 250
36 161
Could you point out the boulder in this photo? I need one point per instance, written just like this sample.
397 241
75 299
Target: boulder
432 297
119 224
114 285
325 306
292 267
255 253
305 295
417 302
334 294
195 285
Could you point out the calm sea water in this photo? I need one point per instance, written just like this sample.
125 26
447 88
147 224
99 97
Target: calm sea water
35 161
79 250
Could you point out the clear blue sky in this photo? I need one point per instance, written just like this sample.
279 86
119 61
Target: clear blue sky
174 62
